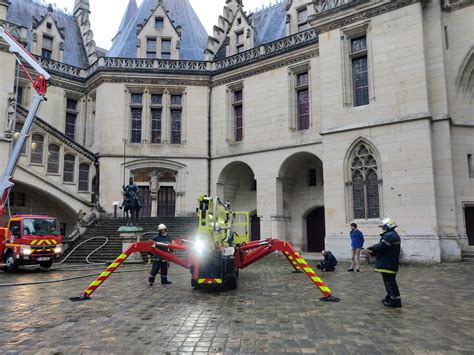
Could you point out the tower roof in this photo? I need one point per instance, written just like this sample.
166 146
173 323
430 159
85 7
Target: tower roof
193 38
130 12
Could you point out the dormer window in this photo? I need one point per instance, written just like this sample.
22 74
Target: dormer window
302 16
49 25
47 49
151 48
240 41
159 22
165 48
239 21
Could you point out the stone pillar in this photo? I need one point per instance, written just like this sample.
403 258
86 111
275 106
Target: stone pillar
129 236
154 193
4 5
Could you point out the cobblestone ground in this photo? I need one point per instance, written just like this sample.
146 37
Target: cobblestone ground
272 311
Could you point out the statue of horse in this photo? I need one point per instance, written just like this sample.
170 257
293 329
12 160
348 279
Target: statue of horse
131 207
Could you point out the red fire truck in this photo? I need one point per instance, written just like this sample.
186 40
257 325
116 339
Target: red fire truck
26 239
30 240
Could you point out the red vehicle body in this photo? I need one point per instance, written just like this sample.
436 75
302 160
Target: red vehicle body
30 240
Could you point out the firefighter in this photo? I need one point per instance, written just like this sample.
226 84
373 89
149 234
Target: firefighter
387 253
329 263
159 264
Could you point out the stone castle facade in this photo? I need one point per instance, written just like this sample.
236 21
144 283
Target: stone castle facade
309 114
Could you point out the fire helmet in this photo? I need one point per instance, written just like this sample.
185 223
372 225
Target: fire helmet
388 223
162 227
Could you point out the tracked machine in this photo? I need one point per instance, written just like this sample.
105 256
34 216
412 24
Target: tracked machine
215 255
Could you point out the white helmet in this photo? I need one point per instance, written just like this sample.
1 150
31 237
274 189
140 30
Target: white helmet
388 223
162 227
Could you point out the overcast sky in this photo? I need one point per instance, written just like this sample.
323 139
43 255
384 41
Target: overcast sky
107 14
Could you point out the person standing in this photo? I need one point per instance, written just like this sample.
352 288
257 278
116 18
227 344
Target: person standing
387 253
357 242
160 264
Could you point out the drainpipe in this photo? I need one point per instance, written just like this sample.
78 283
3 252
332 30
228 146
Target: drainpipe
209 143
85 121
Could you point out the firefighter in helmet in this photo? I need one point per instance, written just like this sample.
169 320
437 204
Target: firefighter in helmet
159 264
387 253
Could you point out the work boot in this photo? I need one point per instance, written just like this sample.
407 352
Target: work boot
393 303
151 280
165 281
386 299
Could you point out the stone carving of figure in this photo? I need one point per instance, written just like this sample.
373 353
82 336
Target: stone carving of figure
11 113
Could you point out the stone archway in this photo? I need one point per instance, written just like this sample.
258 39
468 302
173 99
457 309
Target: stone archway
301 176
28 199
237 185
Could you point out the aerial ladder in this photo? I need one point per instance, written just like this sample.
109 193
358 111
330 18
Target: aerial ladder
40 85
215 255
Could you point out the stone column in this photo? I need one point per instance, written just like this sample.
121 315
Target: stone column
154 192
270 208
4 5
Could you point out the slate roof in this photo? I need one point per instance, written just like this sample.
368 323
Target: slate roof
22 12
193 39
270 23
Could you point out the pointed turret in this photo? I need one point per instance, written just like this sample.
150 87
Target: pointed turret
130 12
82 13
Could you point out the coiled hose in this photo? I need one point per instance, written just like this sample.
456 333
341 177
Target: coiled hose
90 254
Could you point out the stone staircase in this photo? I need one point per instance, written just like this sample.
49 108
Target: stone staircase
183 227
468 254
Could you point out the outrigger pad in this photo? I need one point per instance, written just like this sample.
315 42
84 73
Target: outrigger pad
79 299
329 299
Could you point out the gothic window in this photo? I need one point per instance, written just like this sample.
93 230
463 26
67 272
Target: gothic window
136 113
84 177
238 115
69 167
47 50
151 48
302 16
365 183
302 95
53 159
165 48
37 145
156 118
360 72
176 118
71 118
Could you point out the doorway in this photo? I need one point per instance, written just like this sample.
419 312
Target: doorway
469 214
145 200
255 228
316 230
166 202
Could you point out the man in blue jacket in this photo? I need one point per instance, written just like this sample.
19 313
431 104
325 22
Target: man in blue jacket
387 253
357 242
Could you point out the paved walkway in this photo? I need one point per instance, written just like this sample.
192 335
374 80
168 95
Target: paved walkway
272 311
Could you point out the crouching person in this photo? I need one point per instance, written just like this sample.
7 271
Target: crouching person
160 265
387 254
329 263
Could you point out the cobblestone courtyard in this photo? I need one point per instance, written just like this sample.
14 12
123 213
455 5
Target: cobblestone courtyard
272 311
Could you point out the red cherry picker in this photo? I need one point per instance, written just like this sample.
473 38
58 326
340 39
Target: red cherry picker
217 253
41 242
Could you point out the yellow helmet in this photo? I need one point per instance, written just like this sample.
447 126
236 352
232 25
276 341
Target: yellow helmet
388 223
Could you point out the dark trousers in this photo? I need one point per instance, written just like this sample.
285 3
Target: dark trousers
159 265
391 286
325 267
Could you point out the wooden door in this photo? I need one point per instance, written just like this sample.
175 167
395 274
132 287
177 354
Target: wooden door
255 227
166 202
316 230
145 200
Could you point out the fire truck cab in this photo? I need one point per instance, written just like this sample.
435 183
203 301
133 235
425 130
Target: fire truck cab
30 240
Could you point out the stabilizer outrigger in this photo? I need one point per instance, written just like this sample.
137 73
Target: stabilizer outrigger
244 255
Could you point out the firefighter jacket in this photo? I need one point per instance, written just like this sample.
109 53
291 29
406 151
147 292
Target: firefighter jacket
330 260
387 252
160 238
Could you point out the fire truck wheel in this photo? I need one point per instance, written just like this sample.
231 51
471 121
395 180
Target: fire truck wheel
231 283
46 264
11 264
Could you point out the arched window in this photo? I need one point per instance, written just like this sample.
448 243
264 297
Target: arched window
365 183
69 165
53 159
37 146
84 177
